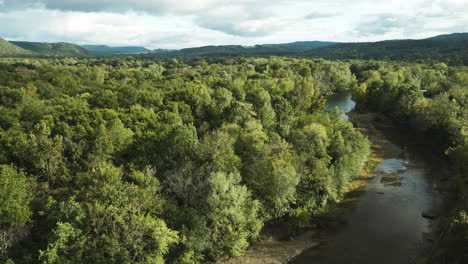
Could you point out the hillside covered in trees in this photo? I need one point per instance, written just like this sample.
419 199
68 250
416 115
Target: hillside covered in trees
10 50
61 49
287 49
106 50
451 49
142 161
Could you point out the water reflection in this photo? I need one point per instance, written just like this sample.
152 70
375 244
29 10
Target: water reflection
385 225
343 101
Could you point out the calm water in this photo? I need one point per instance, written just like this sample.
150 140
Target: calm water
343 101
385 224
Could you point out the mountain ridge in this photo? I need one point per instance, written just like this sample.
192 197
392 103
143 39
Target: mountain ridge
56 49
450 48
118 50
453 36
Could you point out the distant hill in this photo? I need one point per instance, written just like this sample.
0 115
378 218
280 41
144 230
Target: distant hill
449 48
162 51
60 49
300 45
452 49
8 49
454 36
446 50
106 50
238 50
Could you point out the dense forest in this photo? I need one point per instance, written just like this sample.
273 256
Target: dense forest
142 160
130 160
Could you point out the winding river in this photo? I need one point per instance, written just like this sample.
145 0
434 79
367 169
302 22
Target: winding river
384 224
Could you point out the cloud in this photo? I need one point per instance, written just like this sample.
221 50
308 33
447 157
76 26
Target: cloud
249 28
241 21
185 23
418 19
461 5
317 15
390 26
234 17
94 28
122 6
382 24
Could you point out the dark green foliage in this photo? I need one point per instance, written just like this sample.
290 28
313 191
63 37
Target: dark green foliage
109 221
15 209
14 197
132 160
454 242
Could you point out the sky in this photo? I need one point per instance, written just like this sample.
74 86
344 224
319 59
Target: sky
175 24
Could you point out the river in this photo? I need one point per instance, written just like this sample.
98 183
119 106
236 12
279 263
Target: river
343 101
384 224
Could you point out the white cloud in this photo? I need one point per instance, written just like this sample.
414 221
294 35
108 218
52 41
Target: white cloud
317 15
238 20
122 6
388 23
185 23
91 28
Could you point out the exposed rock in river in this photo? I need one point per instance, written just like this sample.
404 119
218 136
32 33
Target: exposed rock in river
429 215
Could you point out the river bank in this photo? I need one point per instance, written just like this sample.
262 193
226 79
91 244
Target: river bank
440 184
277 249
385 224
388 199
